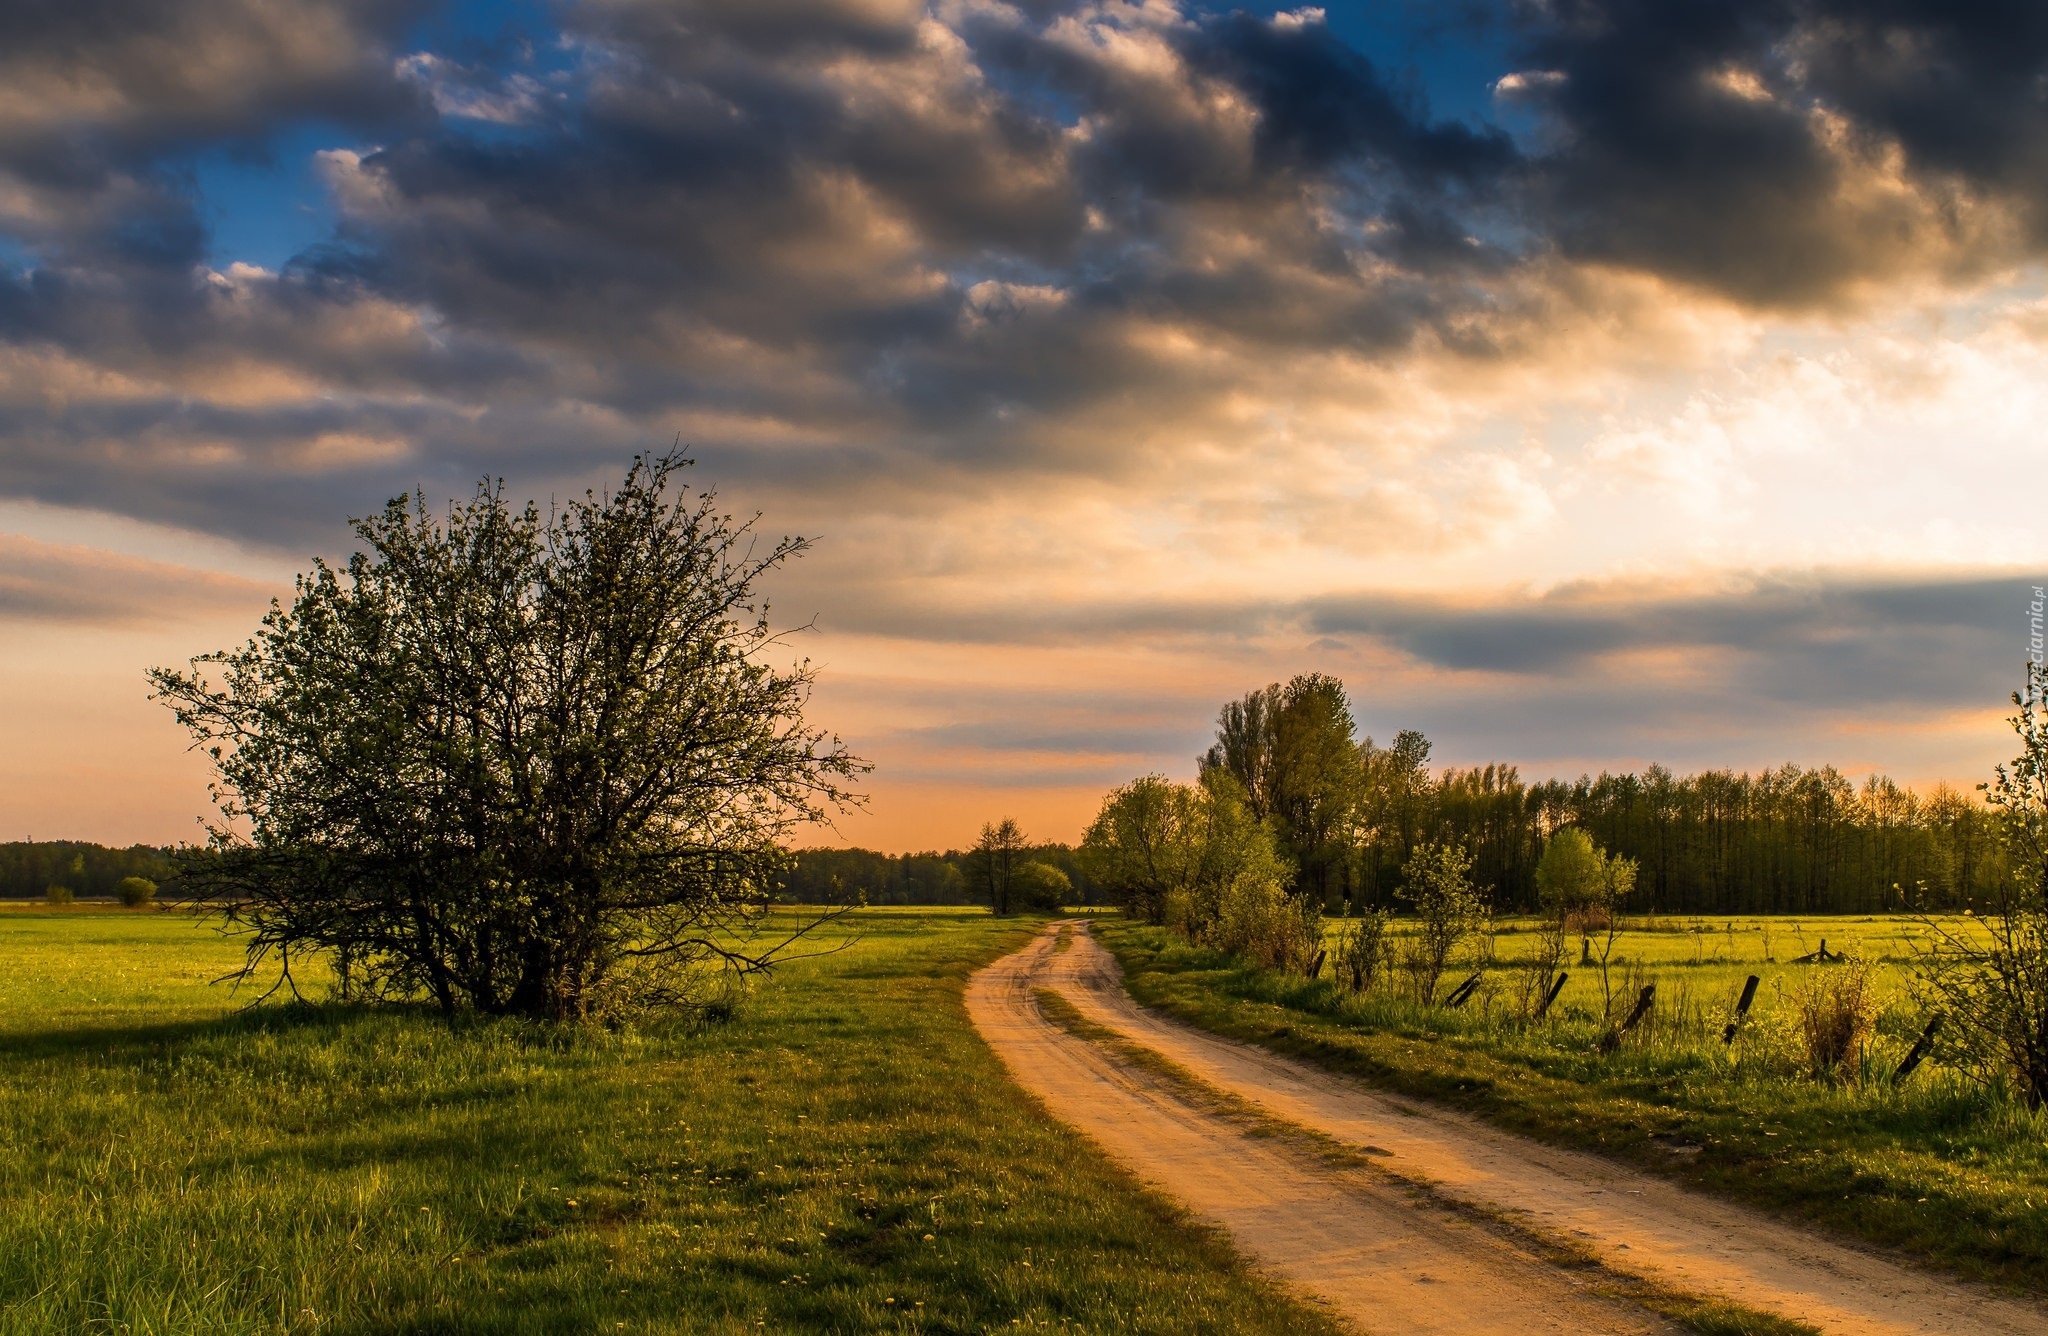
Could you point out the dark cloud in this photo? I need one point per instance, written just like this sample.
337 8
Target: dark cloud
1746 145
1322 105
1843 641
865 239
103 101
1829 641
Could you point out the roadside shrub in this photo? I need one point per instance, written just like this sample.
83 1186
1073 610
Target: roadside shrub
1261 923
1040 887
1988 980
1836 1008
135 892
1362 950
57 895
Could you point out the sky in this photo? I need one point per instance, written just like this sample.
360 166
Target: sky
1587 383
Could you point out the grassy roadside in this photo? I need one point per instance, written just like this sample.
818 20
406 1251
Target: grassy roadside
845 1156
1938 1170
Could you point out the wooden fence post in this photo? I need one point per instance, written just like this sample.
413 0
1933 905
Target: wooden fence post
1612 1039
1918 1051
1741 1010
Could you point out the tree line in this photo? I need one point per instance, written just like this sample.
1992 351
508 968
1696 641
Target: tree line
955 877
30 868
1348 816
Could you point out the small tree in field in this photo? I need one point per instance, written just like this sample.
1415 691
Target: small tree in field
1987 978
512 764
994 861
135 892
1580 885
1447 909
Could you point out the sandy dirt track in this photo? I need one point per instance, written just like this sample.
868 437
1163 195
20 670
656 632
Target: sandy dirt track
1389 1262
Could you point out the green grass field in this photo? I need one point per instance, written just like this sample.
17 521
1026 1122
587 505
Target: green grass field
1700 966
1707 959
845 1156
1941 1168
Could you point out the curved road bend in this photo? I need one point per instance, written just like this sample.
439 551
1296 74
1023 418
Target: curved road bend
1390 1261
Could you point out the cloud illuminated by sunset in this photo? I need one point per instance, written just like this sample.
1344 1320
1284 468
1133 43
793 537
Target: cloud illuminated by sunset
1587 385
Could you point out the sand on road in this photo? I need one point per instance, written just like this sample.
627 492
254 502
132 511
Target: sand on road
1388 1259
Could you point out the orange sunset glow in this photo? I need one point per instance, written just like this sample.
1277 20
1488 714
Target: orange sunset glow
1584 387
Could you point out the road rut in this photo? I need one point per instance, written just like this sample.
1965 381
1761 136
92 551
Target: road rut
1388 1260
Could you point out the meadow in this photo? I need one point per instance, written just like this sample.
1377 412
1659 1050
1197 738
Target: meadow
1940 1166
844 1155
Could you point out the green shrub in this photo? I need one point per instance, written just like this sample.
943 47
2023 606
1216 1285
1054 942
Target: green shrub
1837 1008
1363 950
135 892
1448 910
57 895
1262 923
1039 886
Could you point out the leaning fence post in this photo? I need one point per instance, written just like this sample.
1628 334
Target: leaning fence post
1551 996
1918 1051
1612 1039
1462 993
1315 967
1741 1010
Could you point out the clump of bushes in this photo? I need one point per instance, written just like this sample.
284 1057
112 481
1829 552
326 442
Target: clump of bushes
57 894
1259 921
1037 887
1193 858
1363 949
135 892
1836 1009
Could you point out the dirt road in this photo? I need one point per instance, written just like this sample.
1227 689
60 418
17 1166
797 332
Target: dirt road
1394 1260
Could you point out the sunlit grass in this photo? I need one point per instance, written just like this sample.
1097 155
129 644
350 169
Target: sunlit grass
846 1156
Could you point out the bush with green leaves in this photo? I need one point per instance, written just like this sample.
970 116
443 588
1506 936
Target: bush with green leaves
1260 922
1448 910
1362 951
1988 978
135 892
1168 852
526 765
57 894
1037 887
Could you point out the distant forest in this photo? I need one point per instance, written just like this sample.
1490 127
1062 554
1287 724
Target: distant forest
1789 840
819 876
30 868
1348 814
